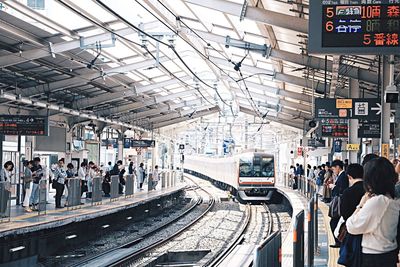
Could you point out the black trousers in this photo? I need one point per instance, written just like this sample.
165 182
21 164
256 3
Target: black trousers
59 193
388 259
333 223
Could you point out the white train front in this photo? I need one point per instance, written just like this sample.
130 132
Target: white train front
250 176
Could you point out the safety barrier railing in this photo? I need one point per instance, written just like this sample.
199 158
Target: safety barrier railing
5 201
97 195
308 189
114 192
269 252
74 193
310 224
129 185
74 199
298 240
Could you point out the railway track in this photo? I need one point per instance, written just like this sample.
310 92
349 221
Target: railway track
123 255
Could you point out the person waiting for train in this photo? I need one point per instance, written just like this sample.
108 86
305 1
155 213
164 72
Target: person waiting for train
328 179
140 175
28 181
6 174
60 176
342 182
155 178
377 215
350 249
37 172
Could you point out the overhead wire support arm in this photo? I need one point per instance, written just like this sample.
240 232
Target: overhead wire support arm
264 50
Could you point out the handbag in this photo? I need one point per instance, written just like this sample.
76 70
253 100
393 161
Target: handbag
334 208
54 183
342 232
350 252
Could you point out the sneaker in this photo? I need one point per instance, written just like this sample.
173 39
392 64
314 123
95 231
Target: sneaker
28 210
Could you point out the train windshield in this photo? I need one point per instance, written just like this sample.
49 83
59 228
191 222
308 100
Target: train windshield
257 166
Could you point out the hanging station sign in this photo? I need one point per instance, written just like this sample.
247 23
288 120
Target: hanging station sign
356 108
354 27
24 125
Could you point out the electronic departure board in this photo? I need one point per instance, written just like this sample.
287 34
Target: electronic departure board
354 26
335 128
24 125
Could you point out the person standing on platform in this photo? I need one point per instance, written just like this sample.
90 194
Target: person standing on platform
320 179
130 167
60 177
377 215
328 180
110 167
140 176
342 182
155 178
91 175
28 181
82 174
5 176
37 172
350 252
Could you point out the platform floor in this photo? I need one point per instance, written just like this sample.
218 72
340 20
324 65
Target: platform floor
299 203
22 222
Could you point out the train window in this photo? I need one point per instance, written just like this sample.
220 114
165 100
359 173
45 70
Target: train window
267 167
246 167
257 167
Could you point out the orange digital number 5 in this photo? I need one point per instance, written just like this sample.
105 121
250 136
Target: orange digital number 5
329 12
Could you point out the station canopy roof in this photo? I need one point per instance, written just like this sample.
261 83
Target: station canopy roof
148 64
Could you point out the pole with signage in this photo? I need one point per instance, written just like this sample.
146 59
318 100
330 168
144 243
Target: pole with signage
353 124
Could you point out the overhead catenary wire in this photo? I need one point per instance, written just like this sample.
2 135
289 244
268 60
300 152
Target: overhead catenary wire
140 45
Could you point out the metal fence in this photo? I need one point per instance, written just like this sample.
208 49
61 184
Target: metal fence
269 252
73 201
42 207
308 189
129 185
114 193
97 197
74 193
298 240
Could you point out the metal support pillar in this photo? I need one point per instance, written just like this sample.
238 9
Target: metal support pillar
353 124
388 73
1 150
120 149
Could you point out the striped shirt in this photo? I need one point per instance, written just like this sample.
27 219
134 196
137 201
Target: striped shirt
60 175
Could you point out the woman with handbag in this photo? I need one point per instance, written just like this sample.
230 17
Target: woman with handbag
377 215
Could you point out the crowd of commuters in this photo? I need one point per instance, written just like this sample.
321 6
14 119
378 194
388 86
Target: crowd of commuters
364 208
59 175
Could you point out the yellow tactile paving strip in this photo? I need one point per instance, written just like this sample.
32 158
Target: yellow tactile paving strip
333 252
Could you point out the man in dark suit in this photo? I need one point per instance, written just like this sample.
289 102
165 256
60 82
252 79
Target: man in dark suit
338 187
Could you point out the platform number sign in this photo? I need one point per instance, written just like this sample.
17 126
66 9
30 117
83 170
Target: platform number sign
357 26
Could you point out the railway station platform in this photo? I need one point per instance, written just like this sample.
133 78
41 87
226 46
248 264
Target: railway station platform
323 255
26 234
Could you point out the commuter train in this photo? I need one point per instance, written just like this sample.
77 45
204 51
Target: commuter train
249 176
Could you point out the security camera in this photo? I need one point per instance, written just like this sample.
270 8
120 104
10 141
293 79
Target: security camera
391 94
